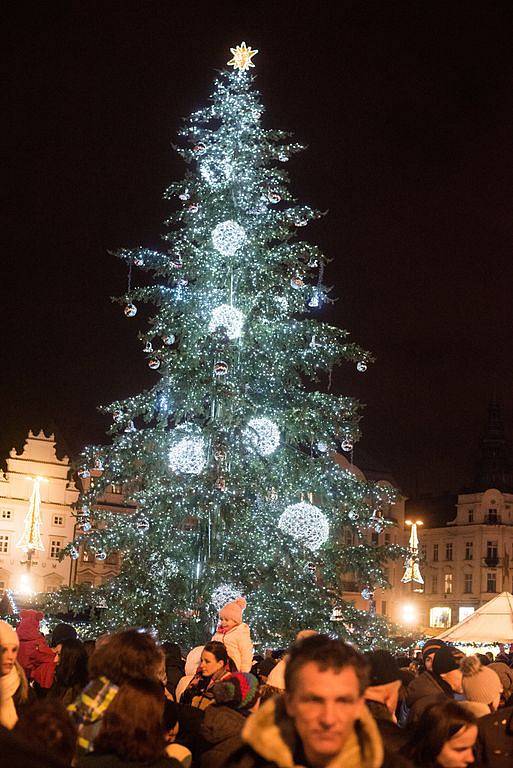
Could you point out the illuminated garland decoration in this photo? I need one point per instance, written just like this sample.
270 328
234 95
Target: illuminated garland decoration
223 594
236 426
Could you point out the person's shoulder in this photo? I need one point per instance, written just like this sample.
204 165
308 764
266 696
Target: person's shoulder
246 757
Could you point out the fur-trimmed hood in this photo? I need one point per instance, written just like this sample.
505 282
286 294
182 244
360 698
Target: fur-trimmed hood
271 734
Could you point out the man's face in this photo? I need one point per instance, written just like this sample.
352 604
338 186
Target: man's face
8 653
324 706
428 661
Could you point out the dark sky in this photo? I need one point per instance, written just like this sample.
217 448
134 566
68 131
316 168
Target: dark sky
407 111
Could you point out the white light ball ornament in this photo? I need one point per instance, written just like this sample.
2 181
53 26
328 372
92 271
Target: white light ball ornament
223 594
306 524
263 435
229 318
228 237
188 454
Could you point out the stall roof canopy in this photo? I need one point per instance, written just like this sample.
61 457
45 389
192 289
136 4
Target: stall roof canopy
492 623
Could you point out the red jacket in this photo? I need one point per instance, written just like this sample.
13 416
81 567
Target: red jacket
34 655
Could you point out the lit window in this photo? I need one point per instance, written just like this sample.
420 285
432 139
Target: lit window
6 514
116 488
467 585
57 520
55 548
469 550
448 583
435 552
491 582
464 612
440 617
4 543
448 551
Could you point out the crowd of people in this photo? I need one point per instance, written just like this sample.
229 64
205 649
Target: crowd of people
128 700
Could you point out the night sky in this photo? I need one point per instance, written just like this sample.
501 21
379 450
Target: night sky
407 111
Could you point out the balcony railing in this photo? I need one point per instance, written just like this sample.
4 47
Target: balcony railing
492 561
492 520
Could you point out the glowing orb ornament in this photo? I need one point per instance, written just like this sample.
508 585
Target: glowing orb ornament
297 282
101 555
142 524
228 237
73 553
154 363
220 368
347 446
86 527
262 435
130 310
242 55
322 447
367 593
229 318
361 367
306 524
216 171
274 197
224 593
188 454
169 339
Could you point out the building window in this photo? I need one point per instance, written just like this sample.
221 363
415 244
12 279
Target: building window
55 548
491 582
116 488
85 556
492 552
469 550
440 617
57 520
448 583
435 552
375 538
467 583
383 607
4 543
2 585
6 514
471 515
434 583
387 538
492 516
464 612
448 551
423 552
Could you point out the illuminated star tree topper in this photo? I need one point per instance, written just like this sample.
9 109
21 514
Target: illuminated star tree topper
242 55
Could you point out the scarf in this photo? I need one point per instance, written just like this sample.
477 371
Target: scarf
222 630
9 684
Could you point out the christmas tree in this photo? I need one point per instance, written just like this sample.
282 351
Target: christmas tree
229 456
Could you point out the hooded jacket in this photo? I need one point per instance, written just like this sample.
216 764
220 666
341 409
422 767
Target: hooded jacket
270 741
238 646
34 655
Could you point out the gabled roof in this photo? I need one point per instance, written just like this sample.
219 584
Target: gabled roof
492 623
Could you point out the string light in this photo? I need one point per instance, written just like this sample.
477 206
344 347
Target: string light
228 237
228 318
187 455
263 435
306 523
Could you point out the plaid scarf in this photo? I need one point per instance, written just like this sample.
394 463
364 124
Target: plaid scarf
87 711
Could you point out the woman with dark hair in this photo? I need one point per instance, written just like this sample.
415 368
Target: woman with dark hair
443 737
175 669
215 665
126 656
70 673
47 727
131 732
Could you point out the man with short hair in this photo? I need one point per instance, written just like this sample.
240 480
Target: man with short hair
320 720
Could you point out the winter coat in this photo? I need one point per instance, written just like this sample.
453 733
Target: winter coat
506 677
393 737
95 760
426 689
199 691
221 734
88 710
34 655
276 677
495 740
238 646
271 741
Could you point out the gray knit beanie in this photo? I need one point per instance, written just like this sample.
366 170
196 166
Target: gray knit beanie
479 683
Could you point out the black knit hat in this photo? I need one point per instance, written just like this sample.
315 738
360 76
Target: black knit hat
62 632
383 668
431 646
446 659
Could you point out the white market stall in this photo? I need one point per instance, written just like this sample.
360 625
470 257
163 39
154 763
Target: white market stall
490 624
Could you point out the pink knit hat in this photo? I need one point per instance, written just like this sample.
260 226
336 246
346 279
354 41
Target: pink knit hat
233 610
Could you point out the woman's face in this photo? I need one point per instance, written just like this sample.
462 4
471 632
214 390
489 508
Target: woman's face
457 752
209 665
8 653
